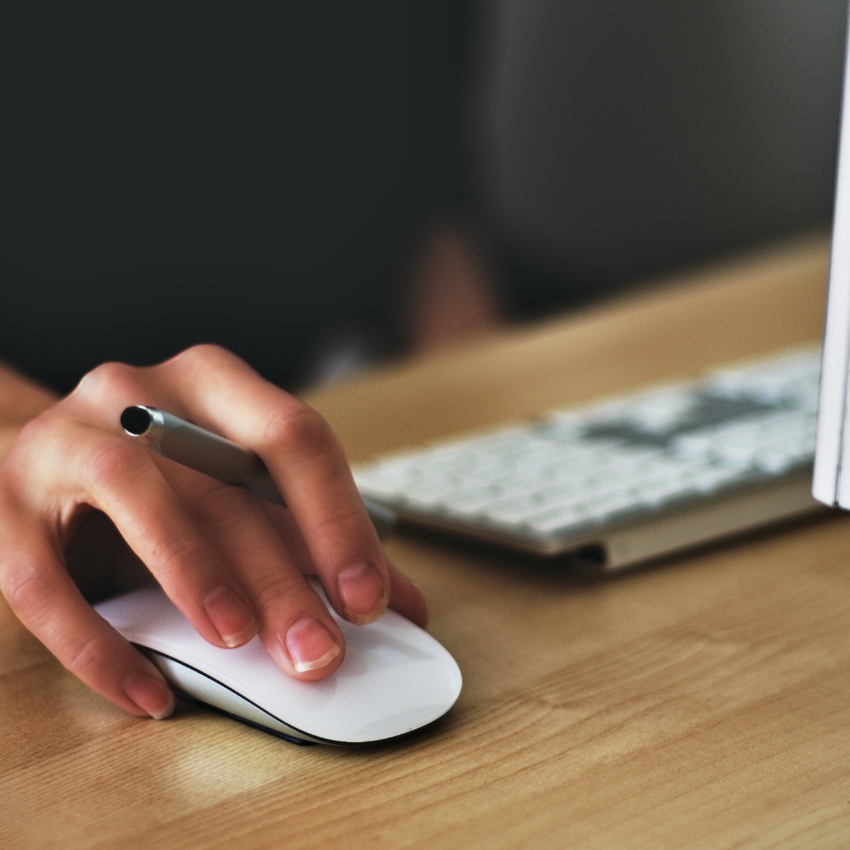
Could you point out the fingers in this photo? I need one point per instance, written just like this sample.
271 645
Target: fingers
222 393
233 565
40 592
82 464
217 390
407 597
295 626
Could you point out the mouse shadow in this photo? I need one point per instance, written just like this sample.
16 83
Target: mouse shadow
187 706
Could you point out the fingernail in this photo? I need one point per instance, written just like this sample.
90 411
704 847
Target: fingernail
231 617
150 694
362 592
310 645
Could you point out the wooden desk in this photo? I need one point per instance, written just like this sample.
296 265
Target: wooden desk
702 703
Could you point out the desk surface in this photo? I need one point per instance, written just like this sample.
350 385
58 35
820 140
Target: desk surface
704 702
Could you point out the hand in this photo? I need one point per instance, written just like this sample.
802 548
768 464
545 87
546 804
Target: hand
232 563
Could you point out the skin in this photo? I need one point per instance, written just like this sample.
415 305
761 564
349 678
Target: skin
85 510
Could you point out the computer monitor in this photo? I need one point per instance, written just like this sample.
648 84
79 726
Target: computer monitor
831 482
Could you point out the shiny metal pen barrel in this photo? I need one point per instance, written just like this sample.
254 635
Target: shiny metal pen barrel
201 450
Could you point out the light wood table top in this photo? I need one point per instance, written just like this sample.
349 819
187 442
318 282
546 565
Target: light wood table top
703 702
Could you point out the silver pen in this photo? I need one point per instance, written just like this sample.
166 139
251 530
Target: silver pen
199 449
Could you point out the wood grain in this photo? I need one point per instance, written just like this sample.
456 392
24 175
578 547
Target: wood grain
703 702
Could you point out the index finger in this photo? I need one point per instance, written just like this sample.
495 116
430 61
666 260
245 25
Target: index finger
221 392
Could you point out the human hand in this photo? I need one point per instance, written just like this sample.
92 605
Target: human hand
234 564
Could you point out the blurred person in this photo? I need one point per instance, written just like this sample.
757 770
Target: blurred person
613 141
608 142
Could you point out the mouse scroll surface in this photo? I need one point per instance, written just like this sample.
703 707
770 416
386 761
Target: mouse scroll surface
395 677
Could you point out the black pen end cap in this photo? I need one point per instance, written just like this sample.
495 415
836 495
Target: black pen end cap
136 420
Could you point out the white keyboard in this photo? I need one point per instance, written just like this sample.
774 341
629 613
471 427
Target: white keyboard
626 479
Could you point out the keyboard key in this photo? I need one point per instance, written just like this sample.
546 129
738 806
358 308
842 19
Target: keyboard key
605 463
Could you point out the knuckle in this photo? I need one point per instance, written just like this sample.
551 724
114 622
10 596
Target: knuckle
223 503
23 586
108 381
274 588
201 357
40 449
15 466
109 462
170 557
300 429
34 432
207 351
339 521
205 363
86 658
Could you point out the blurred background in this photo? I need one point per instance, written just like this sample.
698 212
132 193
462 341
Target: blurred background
322 187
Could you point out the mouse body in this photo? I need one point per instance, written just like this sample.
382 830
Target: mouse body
395 677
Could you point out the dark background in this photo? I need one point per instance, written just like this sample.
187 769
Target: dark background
259 177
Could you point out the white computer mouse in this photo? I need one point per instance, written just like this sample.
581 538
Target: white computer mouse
395 677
